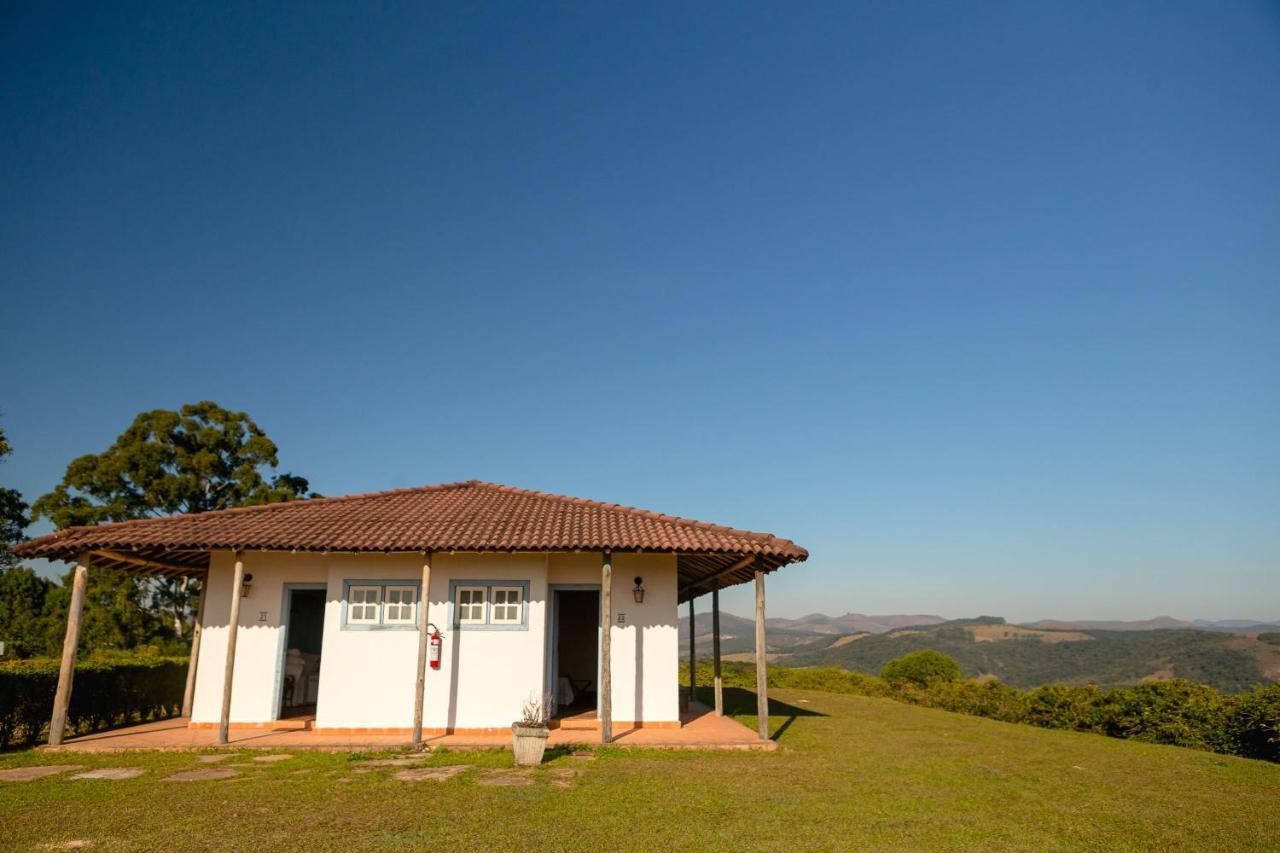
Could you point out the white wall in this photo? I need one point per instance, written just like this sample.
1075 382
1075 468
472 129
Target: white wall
485 676
645 651
367 677
259 642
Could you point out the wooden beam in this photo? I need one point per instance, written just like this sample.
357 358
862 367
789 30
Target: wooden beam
741 564
606 644
423 639
143 562
233 625
188 695
762 661
67 671
715 649
693 659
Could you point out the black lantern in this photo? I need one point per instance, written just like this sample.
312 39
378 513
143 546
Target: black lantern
638 592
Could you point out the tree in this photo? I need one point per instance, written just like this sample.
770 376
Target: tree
22 592
199 458
24 626
202 457
13 514
921 668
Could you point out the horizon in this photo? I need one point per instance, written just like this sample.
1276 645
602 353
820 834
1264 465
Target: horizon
872 615
976 305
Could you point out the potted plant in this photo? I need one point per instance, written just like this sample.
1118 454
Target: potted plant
529 733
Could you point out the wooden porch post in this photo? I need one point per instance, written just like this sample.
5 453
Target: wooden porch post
188 695
762 663
606 663
423 638
233 625
715 649
693 659
67 671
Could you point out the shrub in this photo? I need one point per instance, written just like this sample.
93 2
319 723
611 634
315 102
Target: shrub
1253 723
1272 637
1182 713
109 691
1176 712
921 668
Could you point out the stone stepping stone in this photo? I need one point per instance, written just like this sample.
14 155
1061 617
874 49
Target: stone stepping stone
406 761
583 756
272 759
26 774
111 773
213 759
202 775
505 778
432 774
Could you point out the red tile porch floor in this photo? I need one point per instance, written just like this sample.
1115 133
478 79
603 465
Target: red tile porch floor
699 729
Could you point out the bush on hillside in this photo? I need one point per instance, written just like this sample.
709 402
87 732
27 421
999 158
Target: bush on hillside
109 691
1181 713
921 668
1253 723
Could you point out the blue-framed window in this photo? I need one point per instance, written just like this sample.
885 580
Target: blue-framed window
380 605
489 605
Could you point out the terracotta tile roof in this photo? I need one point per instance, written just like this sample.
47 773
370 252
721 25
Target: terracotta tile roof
467 516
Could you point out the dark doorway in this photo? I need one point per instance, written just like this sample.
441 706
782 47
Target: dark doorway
304 635
577 651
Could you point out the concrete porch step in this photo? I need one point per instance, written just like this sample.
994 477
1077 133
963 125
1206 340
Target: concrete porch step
294 724
584 721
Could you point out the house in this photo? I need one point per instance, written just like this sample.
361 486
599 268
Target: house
428 610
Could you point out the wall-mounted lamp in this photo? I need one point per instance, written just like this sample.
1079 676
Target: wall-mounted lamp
638 592
246 585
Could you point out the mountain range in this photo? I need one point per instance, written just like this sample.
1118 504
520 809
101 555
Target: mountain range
1231 655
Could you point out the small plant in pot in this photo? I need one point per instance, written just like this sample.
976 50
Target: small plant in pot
529 733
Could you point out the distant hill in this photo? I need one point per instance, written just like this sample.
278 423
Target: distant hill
1226 654
1235 626
819 623
738 634
1025 656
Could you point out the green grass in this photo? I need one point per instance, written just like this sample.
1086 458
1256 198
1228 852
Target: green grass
852 772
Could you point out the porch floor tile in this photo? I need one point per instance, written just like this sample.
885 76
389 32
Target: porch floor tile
700 729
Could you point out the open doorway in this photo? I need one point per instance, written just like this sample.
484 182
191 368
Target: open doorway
304 636
576 652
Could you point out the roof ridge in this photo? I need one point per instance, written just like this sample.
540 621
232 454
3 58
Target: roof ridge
631 510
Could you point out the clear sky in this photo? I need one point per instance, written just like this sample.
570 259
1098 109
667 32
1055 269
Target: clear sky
978 302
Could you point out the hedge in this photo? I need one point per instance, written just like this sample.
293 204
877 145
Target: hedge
1182 713
107 692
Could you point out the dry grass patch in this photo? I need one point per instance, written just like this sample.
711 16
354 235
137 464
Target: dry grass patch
997 633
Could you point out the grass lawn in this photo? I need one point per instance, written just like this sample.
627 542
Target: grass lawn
851 772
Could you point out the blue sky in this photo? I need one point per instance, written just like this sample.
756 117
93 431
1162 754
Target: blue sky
977 302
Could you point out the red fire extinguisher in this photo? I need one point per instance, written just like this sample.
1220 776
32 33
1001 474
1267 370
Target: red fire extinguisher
434 656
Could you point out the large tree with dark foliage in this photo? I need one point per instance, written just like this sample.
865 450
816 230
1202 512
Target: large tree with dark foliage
202 457
23 593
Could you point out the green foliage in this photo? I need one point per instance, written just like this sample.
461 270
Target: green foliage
1170 712
201 458
13 515
24 620
1253 723
110 691
1270 637
921 668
